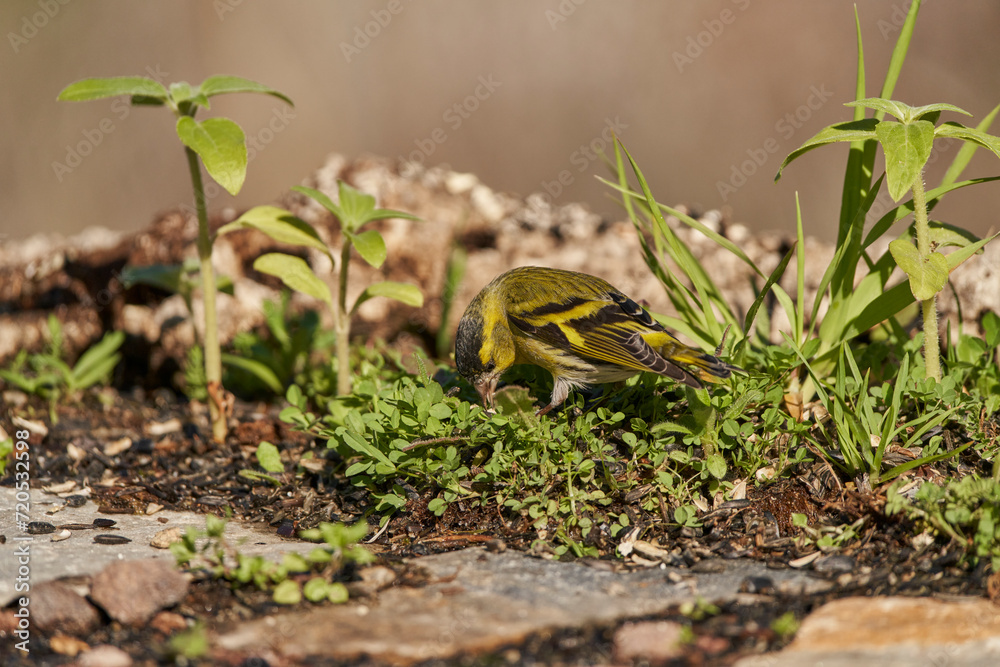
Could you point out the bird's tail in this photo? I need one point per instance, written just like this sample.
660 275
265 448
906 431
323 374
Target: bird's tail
708 368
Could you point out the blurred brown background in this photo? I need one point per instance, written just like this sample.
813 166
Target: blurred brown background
518 92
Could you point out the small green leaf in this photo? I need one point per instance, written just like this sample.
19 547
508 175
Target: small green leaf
402 292
855 130
337 593
287 592
370 246
295 273
316 589
221 145
716 465
958 131
269 457
258 369
163 276
221 84
355 206
928 276
904 112
320 197
942 235
280 225
907 148
95 89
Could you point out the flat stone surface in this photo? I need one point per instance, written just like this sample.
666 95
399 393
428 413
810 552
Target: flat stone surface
893 631
79 555
478 601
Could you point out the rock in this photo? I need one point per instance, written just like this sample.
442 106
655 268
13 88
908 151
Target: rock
893 631
55 606
166 537
652 642
373 579
104 656
133 591
476 602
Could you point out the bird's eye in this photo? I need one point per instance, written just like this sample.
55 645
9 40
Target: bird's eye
490 366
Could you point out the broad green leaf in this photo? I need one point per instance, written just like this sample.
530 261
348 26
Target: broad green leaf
324 200
958 131
928 275
221 145
907 148
95 89
356 206
259 370
280 225
269 457
855 130
370 246
402 292
295 273
221 84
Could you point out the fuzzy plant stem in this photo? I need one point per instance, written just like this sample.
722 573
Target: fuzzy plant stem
213 358
342 322
932 346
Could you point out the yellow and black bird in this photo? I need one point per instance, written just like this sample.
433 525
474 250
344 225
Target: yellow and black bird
576 326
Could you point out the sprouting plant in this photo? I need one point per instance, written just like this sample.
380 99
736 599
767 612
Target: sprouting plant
221 145
48 375
208 550
907 145
354 210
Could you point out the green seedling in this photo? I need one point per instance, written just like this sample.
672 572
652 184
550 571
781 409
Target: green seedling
220 144
354 211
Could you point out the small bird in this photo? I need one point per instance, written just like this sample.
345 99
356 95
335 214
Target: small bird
576 326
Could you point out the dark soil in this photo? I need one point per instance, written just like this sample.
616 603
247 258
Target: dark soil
182 469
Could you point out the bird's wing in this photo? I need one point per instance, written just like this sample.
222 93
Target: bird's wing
607 330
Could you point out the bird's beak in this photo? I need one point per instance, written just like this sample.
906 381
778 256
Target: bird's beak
487 388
